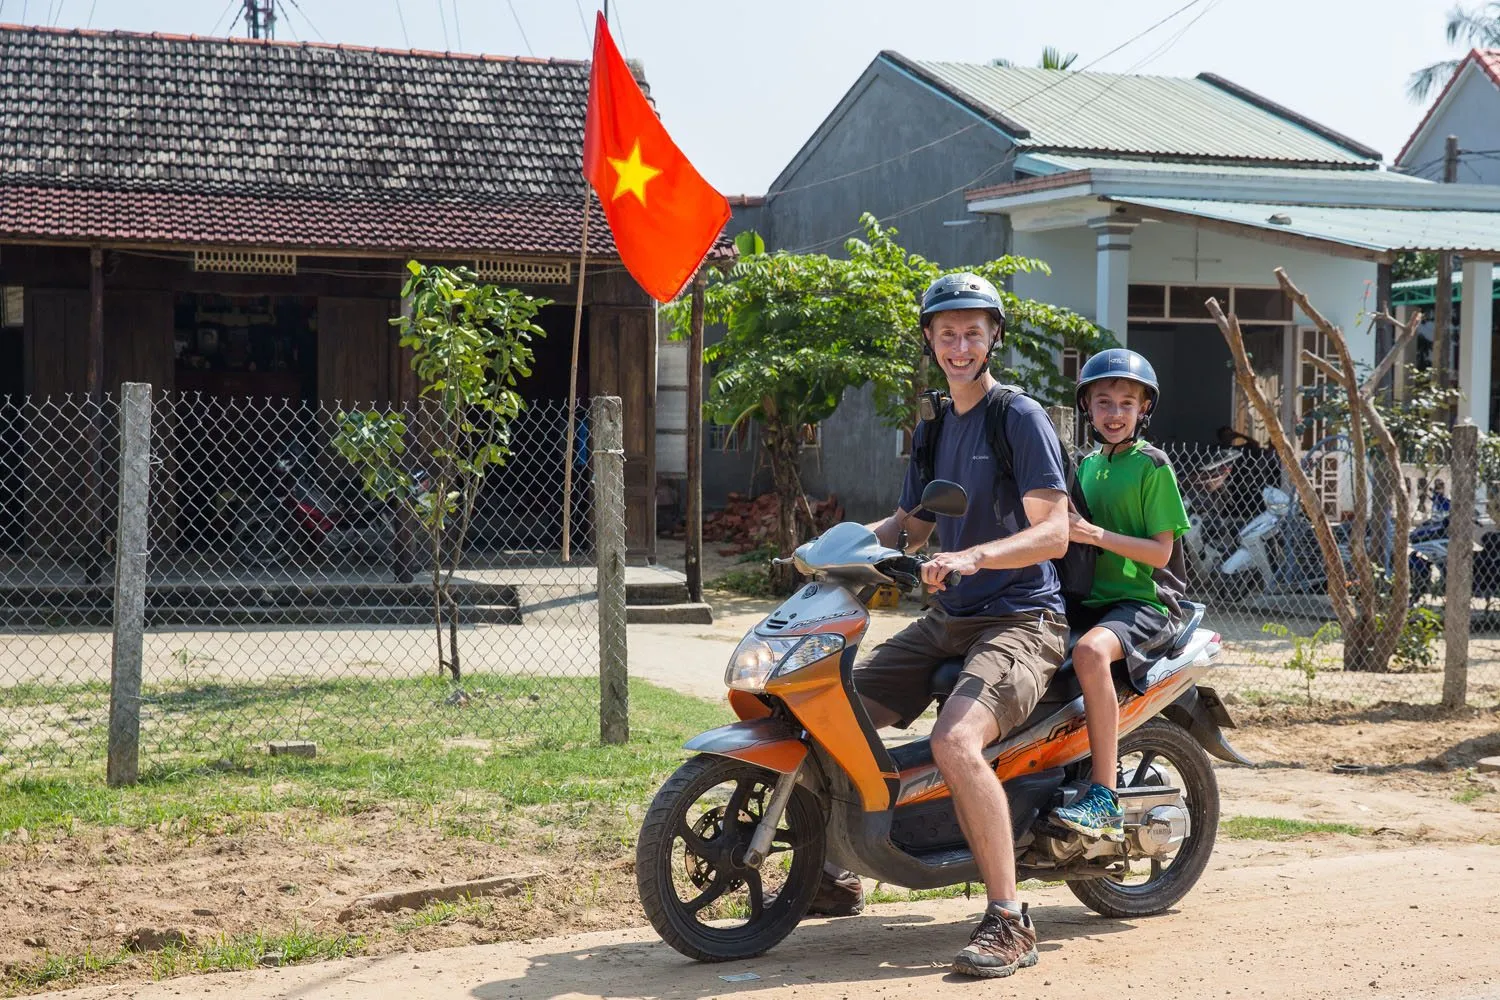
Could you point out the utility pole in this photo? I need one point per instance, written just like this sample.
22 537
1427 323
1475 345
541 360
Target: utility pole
1442 302
260 18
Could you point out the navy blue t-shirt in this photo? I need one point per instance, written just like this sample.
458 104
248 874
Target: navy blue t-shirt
963 456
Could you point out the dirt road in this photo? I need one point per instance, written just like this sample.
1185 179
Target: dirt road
1285 921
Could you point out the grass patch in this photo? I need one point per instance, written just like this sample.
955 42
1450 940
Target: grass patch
469 787
753 581
247 951
55 970
1272 828
442 911
1464 796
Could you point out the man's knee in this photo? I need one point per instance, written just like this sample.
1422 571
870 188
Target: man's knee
960 738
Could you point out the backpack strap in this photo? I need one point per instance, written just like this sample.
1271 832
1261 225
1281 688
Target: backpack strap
924 443
995 430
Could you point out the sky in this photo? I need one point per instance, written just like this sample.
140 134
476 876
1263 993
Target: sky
742 85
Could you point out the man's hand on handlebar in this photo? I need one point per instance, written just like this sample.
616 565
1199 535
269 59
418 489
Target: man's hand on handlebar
944 569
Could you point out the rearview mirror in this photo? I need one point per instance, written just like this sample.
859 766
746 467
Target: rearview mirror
945 498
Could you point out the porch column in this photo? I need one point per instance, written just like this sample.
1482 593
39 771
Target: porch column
1112 280
1474 343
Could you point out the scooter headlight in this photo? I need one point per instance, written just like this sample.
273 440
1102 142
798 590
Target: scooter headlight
756 660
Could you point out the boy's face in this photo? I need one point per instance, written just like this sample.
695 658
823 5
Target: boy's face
960 339
1115 406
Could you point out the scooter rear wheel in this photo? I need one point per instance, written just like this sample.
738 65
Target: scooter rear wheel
1161 752
689 862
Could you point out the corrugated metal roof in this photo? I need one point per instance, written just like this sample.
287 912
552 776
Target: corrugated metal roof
1376 229
1059 163
1423 291
1156 115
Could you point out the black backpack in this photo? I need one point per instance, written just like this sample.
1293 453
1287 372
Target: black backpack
1075 569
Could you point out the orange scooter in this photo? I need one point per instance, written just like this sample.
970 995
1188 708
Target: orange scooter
733 845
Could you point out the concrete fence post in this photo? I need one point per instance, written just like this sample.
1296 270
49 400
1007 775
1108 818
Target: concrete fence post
607 437
1459 599
131 542
1065 420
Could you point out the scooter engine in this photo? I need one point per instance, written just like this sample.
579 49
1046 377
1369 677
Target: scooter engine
1156 821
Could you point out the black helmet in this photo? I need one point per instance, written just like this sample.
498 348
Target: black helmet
962 291
1117 362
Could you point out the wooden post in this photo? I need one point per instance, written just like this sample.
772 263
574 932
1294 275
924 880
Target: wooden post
693 557
1458 602
567 500
607 432
94 554
130 584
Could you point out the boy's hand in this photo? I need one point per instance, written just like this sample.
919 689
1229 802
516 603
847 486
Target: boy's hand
939 566
1082 531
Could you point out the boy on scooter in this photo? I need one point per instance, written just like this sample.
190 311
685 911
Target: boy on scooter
1132 611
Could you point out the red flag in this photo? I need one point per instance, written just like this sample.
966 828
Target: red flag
662 212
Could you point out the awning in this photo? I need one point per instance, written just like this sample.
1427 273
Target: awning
1377 233
1423 291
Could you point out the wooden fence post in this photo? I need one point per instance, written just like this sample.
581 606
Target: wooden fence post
131 542
607 440
1459 600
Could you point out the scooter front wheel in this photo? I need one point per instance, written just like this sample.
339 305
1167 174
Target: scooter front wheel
690 867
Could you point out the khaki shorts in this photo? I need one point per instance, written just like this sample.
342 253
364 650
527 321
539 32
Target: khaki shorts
1008 662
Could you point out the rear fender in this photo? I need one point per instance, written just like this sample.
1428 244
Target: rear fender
1203 715
766 742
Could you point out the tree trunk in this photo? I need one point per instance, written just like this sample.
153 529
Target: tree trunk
1368 648
781 448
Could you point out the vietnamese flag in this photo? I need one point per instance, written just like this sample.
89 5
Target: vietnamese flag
663 214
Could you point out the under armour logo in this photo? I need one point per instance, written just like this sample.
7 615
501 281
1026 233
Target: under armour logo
1101 474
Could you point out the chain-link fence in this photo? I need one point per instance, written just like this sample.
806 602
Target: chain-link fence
284 600
1253 557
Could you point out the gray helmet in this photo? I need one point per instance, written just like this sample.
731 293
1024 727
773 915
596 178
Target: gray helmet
1117 362
962 291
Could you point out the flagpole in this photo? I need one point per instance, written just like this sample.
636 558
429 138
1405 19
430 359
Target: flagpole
583 257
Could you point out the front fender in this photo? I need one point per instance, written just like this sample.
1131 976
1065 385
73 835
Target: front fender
766 742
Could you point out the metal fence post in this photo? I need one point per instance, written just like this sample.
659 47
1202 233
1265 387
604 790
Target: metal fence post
130 584
1459 599
607 436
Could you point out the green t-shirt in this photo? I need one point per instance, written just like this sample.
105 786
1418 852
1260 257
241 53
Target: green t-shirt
1135 493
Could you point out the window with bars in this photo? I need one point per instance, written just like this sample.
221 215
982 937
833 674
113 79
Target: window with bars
12 306
729 439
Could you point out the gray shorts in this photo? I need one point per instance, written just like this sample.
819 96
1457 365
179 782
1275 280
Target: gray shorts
1144 631
1008 662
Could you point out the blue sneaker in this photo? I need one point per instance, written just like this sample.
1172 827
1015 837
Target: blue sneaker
1097 815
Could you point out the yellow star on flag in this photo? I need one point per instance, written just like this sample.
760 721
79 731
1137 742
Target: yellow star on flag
632 174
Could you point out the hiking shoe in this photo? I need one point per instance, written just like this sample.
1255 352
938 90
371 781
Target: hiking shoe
840 894
1097 815
1002 943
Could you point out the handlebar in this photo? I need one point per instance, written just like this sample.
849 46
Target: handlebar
908 570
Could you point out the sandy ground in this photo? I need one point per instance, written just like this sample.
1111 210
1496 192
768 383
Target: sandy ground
1429 837
1293 923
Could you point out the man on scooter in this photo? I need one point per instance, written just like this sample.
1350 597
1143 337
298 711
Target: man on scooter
1005 616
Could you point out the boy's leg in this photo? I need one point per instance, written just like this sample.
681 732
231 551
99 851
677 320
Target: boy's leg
1092 659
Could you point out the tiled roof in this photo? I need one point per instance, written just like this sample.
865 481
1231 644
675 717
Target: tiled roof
116 136
1205 118
1488 60
521 225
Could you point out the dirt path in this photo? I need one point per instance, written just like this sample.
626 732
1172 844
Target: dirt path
1409 923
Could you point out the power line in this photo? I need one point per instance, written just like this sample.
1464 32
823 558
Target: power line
227 8
529 50
1005 160
588 40
443 17
90 22
619 28
1062 78
458 31
314 27
402 19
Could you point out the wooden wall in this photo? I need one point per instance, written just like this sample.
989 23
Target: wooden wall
622 362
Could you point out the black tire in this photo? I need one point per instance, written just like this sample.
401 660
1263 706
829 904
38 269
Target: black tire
1232 588
1168 883
712 868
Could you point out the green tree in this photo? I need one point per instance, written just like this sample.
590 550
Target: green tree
469 342
1052 58
801 329
1478 28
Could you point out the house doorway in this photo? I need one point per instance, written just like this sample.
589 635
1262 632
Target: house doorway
12 438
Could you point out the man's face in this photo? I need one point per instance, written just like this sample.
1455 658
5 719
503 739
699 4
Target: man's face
961 339
1115 406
